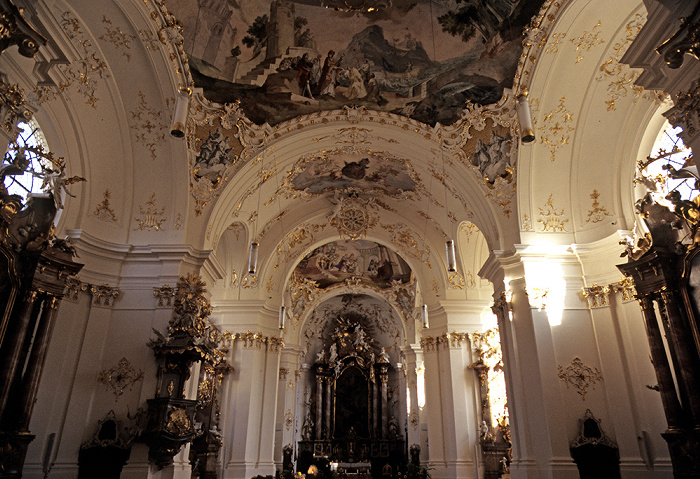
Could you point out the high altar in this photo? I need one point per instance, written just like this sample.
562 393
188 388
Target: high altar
351 418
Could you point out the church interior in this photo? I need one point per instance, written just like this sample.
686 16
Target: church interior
448 239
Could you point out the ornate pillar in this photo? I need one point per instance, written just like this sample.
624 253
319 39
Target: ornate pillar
684 347
384 378
672 407
30 382
15 343
327 418
656 274
375 409
319 404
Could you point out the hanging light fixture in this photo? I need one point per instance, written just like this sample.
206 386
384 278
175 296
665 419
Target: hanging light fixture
424 313
178 127
527 134
450 251
449 244
281 320
253 253
253 257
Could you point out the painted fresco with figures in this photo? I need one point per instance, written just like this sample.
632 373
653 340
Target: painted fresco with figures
421 59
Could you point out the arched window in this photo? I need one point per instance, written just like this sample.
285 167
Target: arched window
24 161
671 166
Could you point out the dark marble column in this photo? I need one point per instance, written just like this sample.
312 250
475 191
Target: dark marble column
672 406
11 360
30 383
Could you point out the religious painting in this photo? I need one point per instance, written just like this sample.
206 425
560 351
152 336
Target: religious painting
370 262
423 59
492 152
346 169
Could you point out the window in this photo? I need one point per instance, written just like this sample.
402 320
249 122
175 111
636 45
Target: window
23 177
670 165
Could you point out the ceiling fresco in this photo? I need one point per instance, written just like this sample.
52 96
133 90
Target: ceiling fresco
419 58
348 169
372 263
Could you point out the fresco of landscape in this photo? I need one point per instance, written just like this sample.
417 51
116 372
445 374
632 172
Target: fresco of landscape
419 58
337 261
343 170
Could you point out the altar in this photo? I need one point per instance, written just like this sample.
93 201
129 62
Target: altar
350 421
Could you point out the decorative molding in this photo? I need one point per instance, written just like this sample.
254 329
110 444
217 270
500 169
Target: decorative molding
403 238
119 377
302 292
625 287
686 109
536 35
556 128
551 219
414 419
73 288
104 211
117 37
149 125
288 419
13 107
469 229
586 41
152 216
435 286
296 241
82 72
621 77
165 295
598 296
353 216
555 40
169 31
538 297
252 340
580 376
249 281
456 280
526 225
103 295
283 374
447 340
597 213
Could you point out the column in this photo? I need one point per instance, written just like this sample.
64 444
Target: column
37 356
413 410
375 409
327 418
319 404
684 348
384 378
672 407
14 348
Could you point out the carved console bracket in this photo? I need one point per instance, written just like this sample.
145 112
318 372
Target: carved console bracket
685 40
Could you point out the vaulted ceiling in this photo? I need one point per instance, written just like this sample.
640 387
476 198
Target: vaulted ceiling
398 159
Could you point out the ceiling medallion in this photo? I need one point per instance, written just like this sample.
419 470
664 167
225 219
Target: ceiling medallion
353 216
